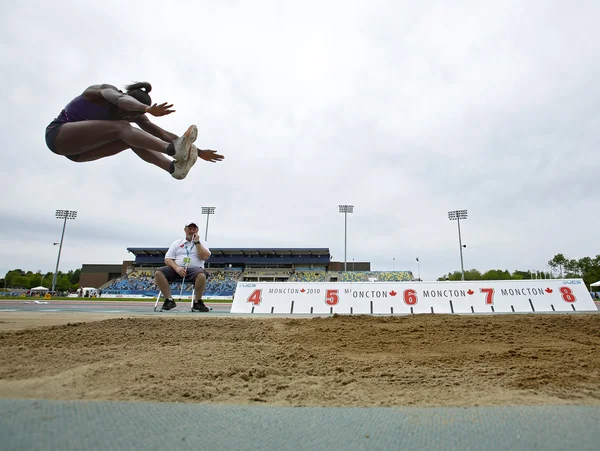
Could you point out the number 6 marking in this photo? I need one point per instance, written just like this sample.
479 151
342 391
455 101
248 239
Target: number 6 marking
410 297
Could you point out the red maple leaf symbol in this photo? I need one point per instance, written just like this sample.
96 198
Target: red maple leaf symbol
548 290
302 290
470 291
393 293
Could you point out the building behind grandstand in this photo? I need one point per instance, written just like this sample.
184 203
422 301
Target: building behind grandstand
228 266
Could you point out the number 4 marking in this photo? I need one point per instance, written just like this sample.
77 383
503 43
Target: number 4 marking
255 298
489 295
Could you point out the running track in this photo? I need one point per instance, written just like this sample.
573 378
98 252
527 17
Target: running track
136 307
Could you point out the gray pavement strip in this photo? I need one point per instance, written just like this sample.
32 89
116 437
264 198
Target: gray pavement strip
116 425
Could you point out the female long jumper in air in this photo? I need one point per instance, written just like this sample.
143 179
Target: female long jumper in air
97 124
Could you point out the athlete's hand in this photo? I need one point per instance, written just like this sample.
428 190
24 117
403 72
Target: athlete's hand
210 155
160 110
181 271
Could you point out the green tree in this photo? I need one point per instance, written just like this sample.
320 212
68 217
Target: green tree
584 265
496 274
558 262
572 268
521 275
451 276
74 278
62 282
13 277
586 268
471 274
47 280
17 278
33 279
590 268
39 279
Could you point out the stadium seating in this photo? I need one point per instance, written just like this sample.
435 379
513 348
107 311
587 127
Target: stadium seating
308 276
220 283
376 276
223 282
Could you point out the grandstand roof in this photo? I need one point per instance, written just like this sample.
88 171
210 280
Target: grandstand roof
245 251
148 250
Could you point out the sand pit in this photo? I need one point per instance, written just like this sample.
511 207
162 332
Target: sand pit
420 360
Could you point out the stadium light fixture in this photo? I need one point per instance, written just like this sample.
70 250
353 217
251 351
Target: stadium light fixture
62 214
207 211
346 209
457 215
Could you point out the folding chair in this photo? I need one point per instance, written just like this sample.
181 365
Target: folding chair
180 293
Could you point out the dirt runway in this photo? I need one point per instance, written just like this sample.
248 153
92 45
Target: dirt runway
419 360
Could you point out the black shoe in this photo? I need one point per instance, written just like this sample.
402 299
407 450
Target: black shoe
199 307
168 305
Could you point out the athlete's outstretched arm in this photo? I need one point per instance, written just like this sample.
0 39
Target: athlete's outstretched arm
126 102
210 155
145 124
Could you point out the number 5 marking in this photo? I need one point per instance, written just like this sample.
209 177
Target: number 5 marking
331 297
489 295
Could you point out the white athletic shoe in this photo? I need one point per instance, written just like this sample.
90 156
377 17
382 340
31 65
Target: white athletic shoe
186 153
182 167
183 144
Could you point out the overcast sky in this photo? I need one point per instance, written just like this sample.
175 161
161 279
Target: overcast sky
404 109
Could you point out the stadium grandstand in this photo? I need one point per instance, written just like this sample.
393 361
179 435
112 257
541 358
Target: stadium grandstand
228 266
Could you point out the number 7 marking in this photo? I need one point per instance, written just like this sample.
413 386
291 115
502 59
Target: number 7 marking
489 295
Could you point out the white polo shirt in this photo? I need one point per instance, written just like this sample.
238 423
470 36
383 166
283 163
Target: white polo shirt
181 249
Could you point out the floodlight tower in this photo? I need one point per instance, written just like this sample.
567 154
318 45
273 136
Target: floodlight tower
62 214
207 211
346 209
457 215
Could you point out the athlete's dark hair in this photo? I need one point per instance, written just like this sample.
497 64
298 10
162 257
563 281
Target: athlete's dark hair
139 91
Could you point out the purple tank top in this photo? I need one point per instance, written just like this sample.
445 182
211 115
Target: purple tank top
81 109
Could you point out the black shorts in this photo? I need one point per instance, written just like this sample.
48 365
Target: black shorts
191 275
51 134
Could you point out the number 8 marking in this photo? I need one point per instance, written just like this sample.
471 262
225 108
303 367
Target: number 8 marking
567 294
